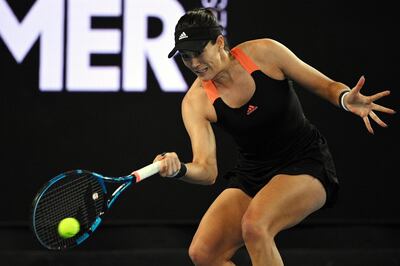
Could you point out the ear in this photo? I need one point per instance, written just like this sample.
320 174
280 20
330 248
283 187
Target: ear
221 42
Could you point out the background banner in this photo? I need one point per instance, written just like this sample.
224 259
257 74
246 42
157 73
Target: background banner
87 84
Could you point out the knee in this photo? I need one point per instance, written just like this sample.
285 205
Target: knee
199 254
253 231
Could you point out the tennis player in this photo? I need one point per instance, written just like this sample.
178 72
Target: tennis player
284 170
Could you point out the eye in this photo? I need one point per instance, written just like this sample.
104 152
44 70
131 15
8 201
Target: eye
197 54
187 55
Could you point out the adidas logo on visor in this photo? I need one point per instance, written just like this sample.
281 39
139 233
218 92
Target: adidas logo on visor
183 36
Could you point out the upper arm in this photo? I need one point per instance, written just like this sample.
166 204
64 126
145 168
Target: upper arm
276 59
195 109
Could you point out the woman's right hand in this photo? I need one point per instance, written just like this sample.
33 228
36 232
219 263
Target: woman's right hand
170 164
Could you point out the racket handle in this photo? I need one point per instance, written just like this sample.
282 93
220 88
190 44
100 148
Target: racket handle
147 171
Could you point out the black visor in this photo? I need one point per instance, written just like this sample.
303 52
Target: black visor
192 39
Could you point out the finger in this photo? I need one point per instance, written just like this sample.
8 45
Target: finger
177 165
163 167
368 125
383 109
359 85
171 167
377 119
379 95
159 157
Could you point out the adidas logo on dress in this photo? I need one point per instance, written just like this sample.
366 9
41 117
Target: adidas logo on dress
251 109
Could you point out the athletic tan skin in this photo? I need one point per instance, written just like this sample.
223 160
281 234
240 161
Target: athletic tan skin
235 219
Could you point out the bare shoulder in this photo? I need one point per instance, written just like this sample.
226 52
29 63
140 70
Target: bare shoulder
193 95
196 102
257 46
266 53
262 49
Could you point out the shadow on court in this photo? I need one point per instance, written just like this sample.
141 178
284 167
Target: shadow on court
165 244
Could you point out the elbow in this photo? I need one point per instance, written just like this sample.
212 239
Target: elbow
210 181
212 178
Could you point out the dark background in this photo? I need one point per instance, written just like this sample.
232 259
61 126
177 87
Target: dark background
43 134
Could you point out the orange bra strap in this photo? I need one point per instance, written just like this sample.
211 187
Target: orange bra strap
211 90
244 60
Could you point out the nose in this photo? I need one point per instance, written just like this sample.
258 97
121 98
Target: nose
194 62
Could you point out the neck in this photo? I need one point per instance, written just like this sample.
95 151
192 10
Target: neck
224 77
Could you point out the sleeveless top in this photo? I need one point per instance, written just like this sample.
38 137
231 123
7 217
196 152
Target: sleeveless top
271 127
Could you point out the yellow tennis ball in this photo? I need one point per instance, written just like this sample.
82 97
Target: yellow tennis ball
68 227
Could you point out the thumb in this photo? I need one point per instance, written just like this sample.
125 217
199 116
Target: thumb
159 157
359 84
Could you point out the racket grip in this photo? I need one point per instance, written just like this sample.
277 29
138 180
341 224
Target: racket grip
147 171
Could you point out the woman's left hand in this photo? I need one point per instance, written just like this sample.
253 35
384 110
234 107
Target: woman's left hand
364 106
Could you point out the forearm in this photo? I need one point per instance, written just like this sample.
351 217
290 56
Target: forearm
202 174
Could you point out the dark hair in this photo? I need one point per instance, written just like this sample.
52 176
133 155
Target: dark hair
200 17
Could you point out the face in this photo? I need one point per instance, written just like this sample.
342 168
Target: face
205 64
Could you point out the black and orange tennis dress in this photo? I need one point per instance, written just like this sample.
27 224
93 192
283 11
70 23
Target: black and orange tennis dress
272 134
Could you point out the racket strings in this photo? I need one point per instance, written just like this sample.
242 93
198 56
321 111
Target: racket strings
56 207
79 196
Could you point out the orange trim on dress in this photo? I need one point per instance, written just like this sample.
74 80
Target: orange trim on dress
246 62
211 90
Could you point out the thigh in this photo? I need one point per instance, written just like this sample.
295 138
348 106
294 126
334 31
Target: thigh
285 201
219 232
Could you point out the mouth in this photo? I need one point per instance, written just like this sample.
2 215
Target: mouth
200 71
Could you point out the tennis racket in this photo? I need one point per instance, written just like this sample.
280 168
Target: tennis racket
80 194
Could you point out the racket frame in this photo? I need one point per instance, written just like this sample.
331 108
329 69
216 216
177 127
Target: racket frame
135 177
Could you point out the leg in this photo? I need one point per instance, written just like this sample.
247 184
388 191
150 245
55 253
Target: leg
219 234
283 202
